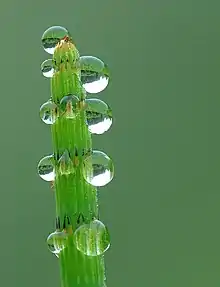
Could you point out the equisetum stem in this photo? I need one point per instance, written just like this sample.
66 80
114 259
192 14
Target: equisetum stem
76 200
74 168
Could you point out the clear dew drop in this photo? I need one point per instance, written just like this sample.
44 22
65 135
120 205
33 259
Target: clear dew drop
66 166
99 116
47 68
57 241
49 113
68 106
94 74
92 239
52 36
46 168
98 169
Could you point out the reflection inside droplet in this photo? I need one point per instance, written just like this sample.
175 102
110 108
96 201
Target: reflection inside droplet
48 113
47 68
94 74
98 169
46 168
92 239
56 242
99 116
96 86
52 36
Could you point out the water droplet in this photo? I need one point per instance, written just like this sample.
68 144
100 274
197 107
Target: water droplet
66 166
92 239
68 106
46 168
47 68
94 74
57 241
49 113
52 36
99 116
98 169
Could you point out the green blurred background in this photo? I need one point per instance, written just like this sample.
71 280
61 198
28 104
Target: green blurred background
162 209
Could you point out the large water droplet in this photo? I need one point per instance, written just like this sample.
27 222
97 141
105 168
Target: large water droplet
46 168
98 168
94 74
66 166
99 116
68 106
52 36
49 113
47 68
92 239
57 241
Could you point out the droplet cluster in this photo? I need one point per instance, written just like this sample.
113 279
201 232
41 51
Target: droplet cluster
91 238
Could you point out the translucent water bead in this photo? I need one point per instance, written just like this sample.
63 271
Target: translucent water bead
57 241
68 106
47 68
52 36
46 168
49 113
92 239
94 74
98 169
99 116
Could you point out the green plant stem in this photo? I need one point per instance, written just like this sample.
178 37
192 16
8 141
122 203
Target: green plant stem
74 197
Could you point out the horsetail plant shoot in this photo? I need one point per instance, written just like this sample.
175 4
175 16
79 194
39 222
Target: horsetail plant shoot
74 169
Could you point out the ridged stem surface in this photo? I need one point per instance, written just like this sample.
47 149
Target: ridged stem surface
76 200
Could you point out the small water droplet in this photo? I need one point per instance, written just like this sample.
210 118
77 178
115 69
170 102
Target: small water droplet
98 169
94 74
48 113
57 241
92 239
52 36
68 106
46 168
47 68
66 166
99 116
